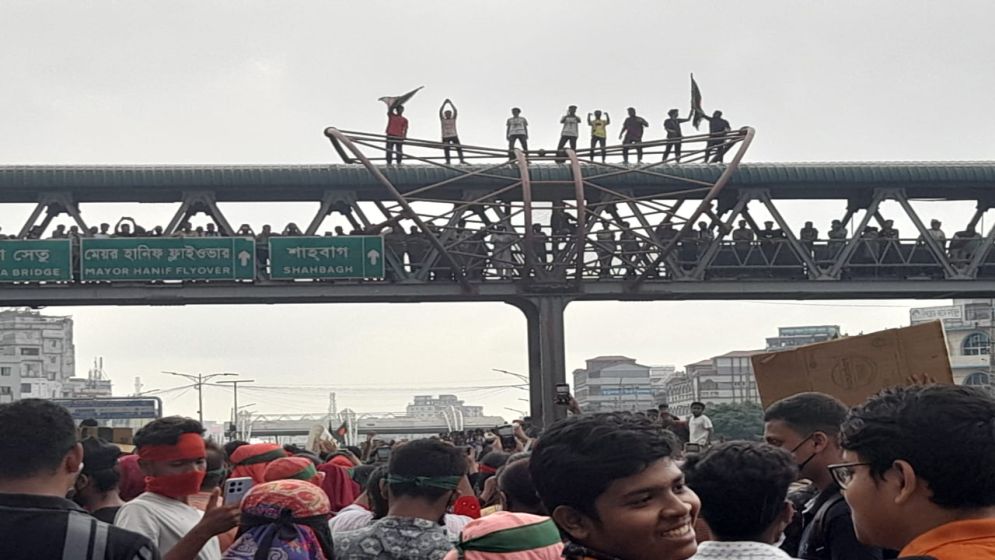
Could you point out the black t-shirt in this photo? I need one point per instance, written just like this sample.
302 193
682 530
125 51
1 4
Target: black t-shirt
34 527
828 531
106 514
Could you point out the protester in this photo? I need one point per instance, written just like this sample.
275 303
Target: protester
599 132
509 536
293 468
674 134
96 488
422 481
743 487
173 457
918 471
338 485
397 131
716 147
516 490
251 459
569 134
700 426
517 128
215 474
614 489
284 520
447 118
40 461
808 426
632 133
132 482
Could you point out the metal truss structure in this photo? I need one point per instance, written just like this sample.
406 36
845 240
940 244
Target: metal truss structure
541 229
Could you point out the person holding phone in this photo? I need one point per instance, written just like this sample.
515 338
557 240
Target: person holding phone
172 455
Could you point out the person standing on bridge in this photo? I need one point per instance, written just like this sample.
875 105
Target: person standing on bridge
571 123
599 132
517 128
397 131
718 127
632 133
674 134
447 117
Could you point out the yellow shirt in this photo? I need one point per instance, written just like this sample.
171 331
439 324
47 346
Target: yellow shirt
598 128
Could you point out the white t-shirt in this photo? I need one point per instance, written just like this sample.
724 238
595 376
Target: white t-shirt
699 428
570 124
449 127
164 521
518 125
353 517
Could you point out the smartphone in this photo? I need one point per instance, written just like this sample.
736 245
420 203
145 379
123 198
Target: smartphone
382 454
236 489
562 393
507 435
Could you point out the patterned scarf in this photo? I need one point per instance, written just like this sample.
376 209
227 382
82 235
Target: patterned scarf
285 519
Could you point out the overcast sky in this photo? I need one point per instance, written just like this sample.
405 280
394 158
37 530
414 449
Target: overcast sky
256 82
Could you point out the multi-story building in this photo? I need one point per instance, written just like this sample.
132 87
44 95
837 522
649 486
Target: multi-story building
659 376
969 328
427 406
791 337
613 383
37 356
722 379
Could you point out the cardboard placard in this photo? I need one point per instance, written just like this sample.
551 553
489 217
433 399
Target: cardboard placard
856 367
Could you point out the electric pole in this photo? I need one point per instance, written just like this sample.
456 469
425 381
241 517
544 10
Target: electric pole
234 386
198 381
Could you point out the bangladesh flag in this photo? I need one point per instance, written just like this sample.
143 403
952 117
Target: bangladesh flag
340 433
397 100
696 109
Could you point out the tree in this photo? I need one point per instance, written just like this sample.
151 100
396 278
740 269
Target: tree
743 420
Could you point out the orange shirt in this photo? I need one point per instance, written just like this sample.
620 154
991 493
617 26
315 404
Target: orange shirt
972 539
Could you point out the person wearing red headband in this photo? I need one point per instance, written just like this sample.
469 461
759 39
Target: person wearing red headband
172 455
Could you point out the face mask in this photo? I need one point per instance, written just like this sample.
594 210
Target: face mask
176 486
810 457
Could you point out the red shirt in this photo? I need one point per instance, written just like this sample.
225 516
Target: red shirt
397 126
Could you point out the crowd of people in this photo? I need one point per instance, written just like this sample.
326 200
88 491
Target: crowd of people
909 473
614 248
517 134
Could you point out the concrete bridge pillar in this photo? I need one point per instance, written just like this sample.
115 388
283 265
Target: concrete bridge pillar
547 355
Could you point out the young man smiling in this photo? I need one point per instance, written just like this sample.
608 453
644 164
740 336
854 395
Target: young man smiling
918 471
611 484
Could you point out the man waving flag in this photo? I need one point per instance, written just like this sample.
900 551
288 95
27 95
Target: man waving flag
696 110
397 101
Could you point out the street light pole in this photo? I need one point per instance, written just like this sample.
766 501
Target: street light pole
199 381
234 386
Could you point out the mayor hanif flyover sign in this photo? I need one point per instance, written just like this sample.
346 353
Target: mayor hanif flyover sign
167 258
359 256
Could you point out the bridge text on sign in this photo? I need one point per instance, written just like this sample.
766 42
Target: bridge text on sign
168 258
294 258
48 260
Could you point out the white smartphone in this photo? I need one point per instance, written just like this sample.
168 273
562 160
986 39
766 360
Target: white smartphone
236 489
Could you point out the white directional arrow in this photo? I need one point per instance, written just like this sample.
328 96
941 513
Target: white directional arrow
374 256
244 257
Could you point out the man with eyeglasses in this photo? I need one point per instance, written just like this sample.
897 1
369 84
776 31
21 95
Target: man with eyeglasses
918 471
808 426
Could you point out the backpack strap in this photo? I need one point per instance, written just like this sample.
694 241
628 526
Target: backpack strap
819 522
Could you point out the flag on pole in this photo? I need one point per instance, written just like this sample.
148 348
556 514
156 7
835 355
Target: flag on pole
396 101
696 110
340 432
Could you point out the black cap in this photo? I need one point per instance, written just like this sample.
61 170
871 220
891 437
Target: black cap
99 454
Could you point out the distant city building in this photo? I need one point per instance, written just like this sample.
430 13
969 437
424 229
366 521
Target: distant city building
449 407
94 385
723 379
613 383
659 376
969 329
791 337
37 356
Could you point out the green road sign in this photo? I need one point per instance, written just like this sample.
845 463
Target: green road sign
326 257
48 260
168 258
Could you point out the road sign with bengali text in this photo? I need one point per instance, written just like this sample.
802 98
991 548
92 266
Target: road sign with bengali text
359 256
168 258
48 260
